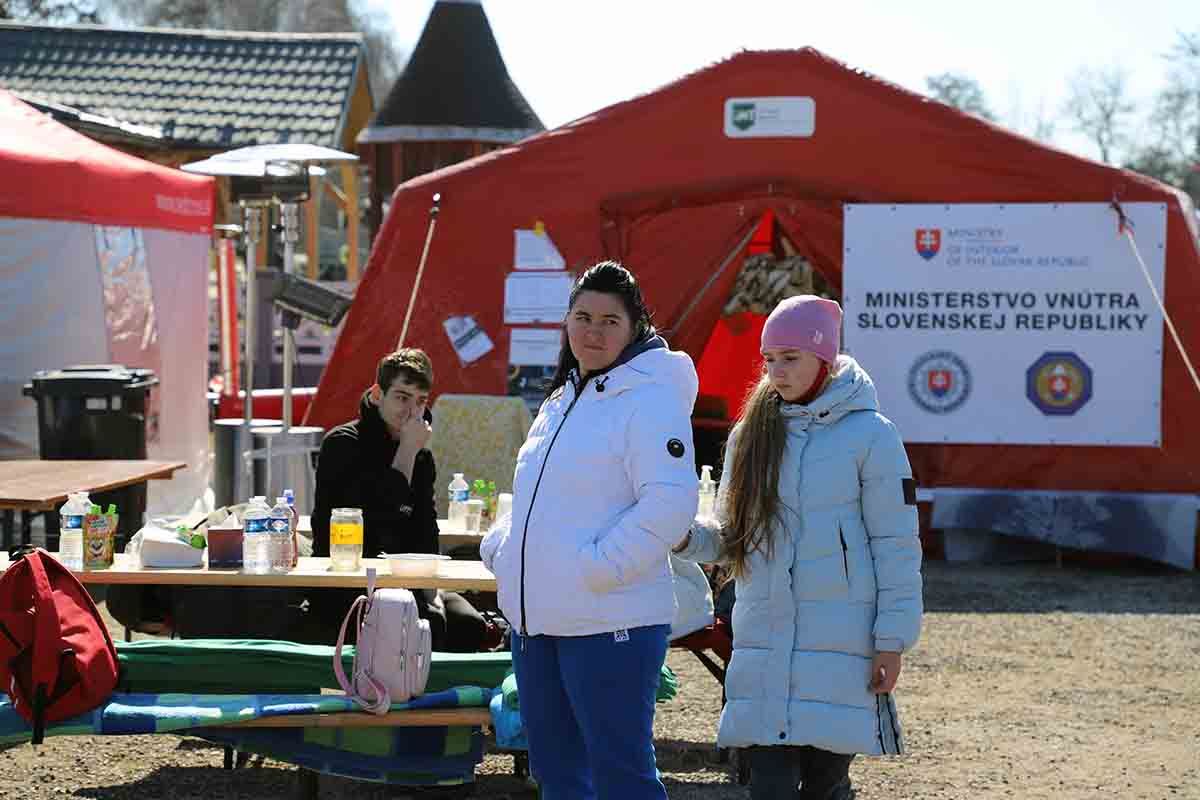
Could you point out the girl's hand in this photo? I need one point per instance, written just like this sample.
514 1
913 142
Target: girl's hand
885 669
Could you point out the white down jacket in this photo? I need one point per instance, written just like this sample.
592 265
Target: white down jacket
844 582
605 485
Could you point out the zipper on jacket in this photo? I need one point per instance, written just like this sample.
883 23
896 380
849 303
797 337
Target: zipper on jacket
845 556
529 512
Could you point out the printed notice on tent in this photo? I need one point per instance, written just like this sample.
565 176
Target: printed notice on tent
1026 323
533 249
532 297
469 340
534 347
532 360
759 117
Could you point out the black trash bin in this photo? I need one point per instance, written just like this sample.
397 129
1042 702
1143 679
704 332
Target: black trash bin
94 412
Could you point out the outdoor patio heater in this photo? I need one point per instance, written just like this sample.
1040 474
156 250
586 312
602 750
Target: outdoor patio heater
260 177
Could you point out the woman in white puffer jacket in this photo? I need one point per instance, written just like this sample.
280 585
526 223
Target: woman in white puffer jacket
817 515
605 486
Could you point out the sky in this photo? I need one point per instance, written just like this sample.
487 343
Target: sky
573 57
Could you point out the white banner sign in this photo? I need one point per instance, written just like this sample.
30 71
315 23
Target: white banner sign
770 117
1014 324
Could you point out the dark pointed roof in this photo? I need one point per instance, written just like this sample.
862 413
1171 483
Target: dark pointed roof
455 85
202 89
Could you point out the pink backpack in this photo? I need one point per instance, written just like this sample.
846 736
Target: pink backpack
393 652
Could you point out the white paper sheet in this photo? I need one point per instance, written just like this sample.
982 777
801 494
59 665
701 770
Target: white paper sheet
469 340
535 250
534 347
531 297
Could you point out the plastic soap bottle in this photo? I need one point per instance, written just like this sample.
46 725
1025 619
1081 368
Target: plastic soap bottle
708 493
457 509
70 540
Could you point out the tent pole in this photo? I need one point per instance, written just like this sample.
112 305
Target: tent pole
741 246
433 214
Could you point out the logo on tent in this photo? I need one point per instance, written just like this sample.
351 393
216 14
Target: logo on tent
939 381
1059 384
929 242
744 115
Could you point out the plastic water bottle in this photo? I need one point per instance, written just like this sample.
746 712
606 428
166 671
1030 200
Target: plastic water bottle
256 557
459 494
708 493
70 539
290 497
279 526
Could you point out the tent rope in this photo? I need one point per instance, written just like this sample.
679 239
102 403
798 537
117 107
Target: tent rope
1126 229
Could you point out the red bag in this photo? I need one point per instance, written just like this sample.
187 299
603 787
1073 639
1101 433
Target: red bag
56 657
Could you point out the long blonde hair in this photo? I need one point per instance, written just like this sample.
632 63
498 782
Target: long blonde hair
752 497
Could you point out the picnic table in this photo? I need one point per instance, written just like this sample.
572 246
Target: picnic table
310 572
33 485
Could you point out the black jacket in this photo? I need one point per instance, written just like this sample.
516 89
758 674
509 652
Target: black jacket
354 470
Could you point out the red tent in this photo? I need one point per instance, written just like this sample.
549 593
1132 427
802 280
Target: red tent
65 175
655 182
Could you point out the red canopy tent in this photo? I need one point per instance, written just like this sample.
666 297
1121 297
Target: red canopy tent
64 175
105 259
655 182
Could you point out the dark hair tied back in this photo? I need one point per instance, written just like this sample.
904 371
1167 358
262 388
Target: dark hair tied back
609 277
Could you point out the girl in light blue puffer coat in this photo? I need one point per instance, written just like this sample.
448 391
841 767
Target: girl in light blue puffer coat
817 519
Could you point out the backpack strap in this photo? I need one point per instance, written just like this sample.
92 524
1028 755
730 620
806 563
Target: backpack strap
45 658
382 700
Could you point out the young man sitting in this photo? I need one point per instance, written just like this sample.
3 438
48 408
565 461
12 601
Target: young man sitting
379 463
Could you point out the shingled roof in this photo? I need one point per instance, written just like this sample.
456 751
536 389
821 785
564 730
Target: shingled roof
203 89
455 85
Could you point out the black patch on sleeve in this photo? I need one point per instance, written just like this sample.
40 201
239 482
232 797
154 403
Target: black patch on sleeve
910 491
676 448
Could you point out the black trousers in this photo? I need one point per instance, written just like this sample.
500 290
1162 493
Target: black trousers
775 773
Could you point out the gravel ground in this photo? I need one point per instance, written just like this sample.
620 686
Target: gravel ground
1030 682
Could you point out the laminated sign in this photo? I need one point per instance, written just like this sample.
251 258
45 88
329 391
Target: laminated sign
1009 324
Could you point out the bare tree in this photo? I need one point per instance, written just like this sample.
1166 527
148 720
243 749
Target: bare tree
1174 149
961 92
58 11
1099 108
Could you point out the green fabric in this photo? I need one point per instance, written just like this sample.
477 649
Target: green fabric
215 666
668 687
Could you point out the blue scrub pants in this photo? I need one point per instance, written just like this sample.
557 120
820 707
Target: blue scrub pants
587 704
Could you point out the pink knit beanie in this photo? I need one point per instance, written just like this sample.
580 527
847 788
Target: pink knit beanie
805 322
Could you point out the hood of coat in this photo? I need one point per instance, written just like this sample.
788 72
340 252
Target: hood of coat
648 360
849 390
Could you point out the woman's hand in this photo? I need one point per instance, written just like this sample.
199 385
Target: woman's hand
885 669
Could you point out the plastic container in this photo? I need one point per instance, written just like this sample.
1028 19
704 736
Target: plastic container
708 493
456 511
279 527
474 516
70 543
412 564
99 529
503 504
256 558
345 539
